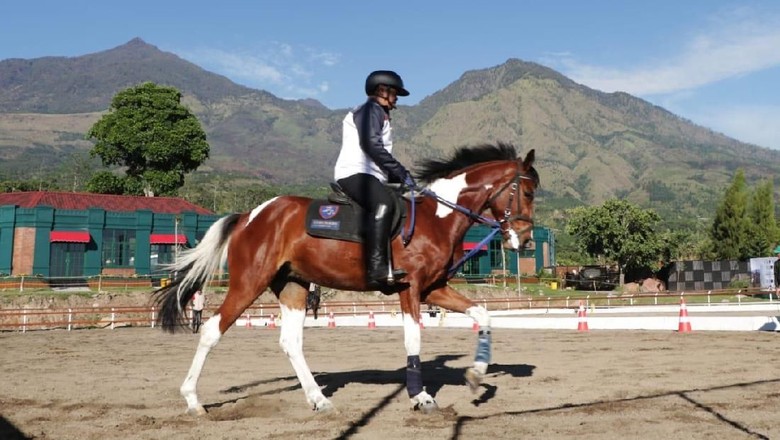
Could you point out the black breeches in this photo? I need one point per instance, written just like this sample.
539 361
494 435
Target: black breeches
368 192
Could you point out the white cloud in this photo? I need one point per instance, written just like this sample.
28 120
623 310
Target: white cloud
285 70
738 45
754 124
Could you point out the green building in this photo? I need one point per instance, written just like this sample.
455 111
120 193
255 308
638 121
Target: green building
57 234
82 235
489 260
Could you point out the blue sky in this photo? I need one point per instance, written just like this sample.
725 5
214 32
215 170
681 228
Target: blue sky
714 62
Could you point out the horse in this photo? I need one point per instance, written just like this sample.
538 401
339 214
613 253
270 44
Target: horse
268 248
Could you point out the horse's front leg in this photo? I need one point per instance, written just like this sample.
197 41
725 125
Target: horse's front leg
420 398
292 302
450 299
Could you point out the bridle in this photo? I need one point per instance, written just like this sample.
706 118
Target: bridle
512 186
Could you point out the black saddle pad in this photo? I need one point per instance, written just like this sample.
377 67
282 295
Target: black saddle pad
342 220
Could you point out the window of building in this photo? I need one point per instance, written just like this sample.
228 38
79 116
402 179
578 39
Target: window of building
495 250
471 266
67 259
161 255
118 248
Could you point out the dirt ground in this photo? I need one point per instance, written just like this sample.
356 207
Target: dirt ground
100 384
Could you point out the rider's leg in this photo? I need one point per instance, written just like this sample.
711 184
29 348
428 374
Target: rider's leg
377 203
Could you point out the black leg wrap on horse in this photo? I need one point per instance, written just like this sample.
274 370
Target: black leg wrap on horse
413 376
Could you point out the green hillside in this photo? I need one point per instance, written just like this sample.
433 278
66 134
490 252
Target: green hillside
590 145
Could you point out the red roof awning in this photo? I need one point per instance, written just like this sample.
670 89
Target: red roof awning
167 239
467 246
69 236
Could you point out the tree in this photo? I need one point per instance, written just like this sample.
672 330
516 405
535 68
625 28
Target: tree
155 138
617 232
75 171
106 182
762 226
731 227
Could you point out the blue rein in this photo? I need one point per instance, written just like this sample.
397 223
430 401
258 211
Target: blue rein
496 225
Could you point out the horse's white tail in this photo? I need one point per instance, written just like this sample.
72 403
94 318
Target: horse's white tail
196 267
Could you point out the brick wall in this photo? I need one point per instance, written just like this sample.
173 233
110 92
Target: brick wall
24 247
119 271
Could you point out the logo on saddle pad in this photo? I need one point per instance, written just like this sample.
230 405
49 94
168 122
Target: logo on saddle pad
328 211
326 219
326 222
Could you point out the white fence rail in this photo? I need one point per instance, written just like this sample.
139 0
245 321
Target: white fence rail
604 311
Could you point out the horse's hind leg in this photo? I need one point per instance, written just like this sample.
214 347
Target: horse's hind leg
209 337
237 300
292 301
450 299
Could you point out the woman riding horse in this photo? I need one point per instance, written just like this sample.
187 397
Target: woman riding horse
269 248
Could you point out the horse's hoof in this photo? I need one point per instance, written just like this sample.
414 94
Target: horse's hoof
324 407
426 407
198 411
473 378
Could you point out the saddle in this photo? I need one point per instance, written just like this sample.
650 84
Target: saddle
341 218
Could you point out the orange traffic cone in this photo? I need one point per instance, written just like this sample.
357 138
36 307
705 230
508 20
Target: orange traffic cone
685 323
582 325
371 321
248 323
331 320
272 321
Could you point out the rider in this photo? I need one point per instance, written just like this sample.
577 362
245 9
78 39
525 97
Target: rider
365 164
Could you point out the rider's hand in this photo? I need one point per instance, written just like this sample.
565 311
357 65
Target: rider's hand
409 182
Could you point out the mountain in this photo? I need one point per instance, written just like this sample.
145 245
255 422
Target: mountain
590 145
87 83
49 103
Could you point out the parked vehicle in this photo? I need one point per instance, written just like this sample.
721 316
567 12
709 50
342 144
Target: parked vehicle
592 277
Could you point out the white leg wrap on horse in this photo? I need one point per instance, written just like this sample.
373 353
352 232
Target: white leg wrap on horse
291 341
479 314
209 337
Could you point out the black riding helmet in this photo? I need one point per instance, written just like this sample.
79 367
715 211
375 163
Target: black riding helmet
385 77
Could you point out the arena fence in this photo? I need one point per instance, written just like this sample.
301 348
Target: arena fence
28 319
99 283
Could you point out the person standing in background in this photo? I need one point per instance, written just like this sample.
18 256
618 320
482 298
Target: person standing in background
777 271
198 303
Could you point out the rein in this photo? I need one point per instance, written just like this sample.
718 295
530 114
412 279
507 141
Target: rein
496 225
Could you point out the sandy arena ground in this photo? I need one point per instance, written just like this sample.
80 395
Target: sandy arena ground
107 384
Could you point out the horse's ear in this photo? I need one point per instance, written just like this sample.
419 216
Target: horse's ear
529 159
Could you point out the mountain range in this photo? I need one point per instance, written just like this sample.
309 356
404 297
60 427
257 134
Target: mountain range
590 145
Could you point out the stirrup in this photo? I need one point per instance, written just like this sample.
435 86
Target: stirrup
395 275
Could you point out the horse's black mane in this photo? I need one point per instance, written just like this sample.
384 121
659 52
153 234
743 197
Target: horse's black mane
429 170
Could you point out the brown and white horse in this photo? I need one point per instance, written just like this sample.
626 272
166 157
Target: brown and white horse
269 248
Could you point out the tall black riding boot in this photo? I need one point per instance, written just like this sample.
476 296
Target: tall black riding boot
378 259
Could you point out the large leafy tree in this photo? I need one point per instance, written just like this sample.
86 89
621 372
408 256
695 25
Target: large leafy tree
763 232
149 133
731 226
617 232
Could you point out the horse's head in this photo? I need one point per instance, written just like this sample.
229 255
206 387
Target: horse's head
511 201
489 177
